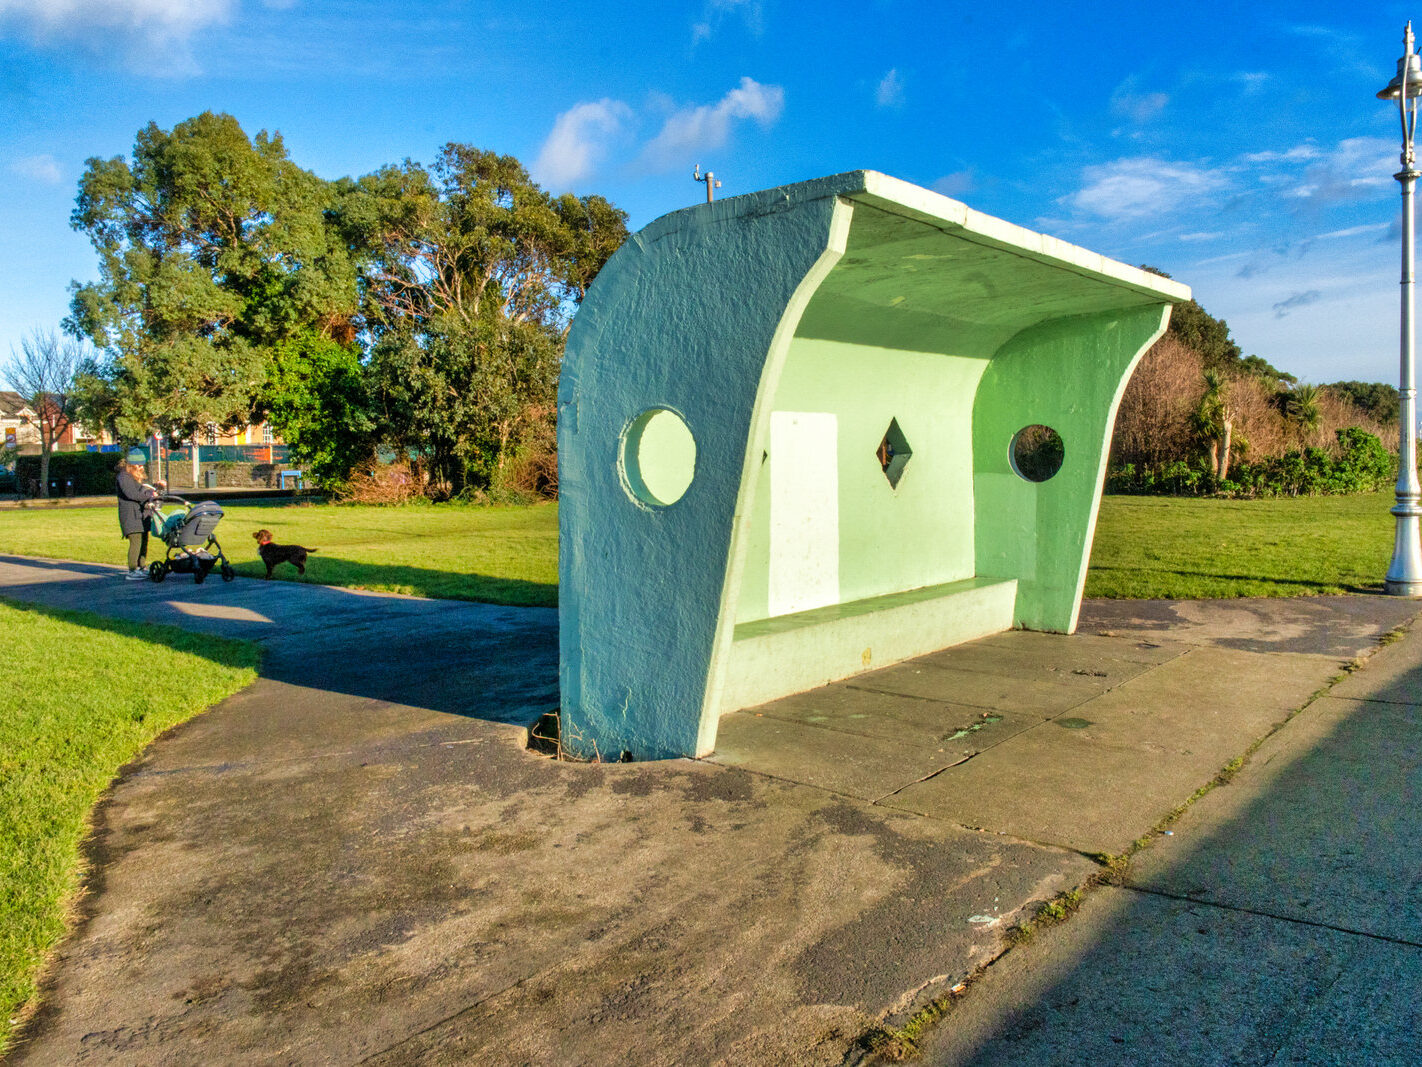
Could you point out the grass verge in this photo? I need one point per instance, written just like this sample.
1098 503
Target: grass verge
1185 548
500 555
1145 547
78 700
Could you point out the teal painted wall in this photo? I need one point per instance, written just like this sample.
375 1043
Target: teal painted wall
851 299
682 317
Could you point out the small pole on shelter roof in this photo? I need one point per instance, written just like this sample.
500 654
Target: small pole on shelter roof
1404 573
710 179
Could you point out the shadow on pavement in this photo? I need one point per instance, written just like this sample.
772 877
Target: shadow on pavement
411 581
463 658
1281 921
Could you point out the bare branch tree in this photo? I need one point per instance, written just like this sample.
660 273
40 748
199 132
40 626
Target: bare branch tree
42 372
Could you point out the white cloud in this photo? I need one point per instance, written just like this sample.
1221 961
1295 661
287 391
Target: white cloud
1138 108
955 184
890 92
1346 171
152 29
578 142
1293 155
700 129
43 169
1355 231
1193 237
1142 186
715 13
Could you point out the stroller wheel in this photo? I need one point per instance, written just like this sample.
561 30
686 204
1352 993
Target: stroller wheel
227 572
158 571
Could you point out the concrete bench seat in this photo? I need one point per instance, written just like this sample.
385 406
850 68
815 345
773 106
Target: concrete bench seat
772 658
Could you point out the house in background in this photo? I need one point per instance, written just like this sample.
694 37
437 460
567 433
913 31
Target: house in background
18 422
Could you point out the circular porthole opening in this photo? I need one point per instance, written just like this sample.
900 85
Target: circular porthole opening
1037 452
658 457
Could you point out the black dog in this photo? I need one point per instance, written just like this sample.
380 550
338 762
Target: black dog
273 554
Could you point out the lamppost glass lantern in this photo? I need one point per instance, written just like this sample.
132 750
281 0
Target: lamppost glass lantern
1404 573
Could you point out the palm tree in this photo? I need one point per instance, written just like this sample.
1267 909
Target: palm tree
1303 411
1214 421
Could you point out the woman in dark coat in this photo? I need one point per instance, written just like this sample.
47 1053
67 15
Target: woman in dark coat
132 495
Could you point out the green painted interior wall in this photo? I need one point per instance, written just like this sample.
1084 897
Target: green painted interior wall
891 538
1068 374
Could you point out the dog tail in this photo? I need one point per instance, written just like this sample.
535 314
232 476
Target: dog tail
313 550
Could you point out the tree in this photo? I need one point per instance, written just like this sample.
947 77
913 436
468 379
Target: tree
1197 329
1214 421
1303 412
213 248
475 275
1378 401
318 402
43 372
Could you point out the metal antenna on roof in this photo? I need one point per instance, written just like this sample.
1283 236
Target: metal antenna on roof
709 178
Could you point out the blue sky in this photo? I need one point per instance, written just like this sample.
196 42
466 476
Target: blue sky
1237 146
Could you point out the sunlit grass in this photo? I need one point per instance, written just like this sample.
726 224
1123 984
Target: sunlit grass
1145 546
502 555
77 702
1190 548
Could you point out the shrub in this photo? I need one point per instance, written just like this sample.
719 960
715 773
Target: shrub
374 482
1357 463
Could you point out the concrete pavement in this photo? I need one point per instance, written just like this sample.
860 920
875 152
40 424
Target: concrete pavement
1280 922
357 859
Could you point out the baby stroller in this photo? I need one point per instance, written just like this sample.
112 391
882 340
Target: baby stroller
187 531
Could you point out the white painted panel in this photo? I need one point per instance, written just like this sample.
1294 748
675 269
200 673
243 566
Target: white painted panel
804 511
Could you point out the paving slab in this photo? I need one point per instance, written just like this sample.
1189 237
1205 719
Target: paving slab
1096 779
1394 674
1321 626
1353 862
1000 691
1028 657
963 729
826 759
1133 978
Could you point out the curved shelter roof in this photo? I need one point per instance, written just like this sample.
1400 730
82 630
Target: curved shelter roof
737 385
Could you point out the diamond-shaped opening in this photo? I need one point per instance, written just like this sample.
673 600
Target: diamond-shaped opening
894 453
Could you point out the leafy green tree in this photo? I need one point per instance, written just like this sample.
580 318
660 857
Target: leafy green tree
213 248
318 402
1380 402
476 273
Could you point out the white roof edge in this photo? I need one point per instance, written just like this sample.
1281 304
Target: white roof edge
905 198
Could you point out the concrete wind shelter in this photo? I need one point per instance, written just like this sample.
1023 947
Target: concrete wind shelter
788 445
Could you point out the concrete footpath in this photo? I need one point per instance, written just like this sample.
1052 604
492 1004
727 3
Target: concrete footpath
358 860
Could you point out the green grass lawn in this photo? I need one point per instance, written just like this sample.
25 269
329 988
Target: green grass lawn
78 700
1190 548
503 555
1145 546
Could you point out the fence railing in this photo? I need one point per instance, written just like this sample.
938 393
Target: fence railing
210 453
